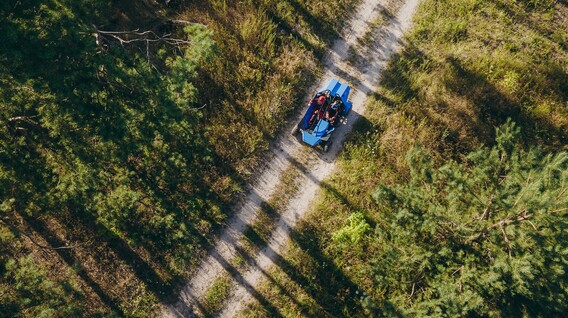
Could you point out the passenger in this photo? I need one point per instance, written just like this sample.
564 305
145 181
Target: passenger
318 102
332 112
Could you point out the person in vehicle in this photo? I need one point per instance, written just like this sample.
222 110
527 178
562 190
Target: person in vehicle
318 103
332 113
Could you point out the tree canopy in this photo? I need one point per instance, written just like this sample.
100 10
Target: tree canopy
98 132
486 236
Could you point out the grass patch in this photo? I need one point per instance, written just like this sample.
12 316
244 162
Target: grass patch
217 293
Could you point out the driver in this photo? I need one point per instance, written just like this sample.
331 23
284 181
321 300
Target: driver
318 112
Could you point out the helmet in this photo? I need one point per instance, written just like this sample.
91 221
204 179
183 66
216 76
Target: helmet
321 100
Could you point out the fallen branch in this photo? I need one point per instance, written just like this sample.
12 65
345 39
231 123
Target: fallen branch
133 36
23 118
486 210
187 22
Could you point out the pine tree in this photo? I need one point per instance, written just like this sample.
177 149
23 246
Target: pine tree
486 236
99 135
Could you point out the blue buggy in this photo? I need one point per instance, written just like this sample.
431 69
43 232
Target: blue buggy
324 114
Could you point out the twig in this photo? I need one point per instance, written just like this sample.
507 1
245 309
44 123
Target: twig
103 37
520 217
486 210
505 237
531 223
559 210
522 193
26 119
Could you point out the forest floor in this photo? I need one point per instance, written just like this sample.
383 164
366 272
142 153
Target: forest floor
225 280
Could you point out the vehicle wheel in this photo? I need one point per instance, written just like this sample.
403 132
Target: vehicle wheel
296 130
326 146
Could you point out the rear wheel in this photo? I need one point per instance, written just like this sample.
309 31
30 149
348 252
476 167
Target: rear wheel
296 130
326 146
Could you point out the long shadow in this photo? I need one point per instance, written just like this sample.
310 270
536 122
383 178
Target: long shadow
523 16
71 260
318 26
140 267
236 274
257 239
396 76
323 295
355 82
339 196
285 27
305 171
494 108
262 243
365 53
387 101
333 287
329 288
284 291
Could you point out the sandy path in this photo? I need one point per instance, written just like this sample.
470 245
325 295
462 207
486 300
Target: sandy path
362 79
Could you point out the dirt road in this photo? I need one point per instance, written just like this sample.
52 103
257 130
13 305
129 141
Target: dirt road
359 66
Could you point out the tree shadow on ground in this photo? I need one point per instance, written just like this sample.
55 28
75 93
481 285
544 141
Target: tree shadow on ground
238 277
287 28
141 268
70 258
491 107
324 28
330 289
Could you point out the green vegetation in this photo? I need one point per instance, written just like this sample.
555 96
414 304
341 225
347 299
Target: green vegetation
434 211
486 236
216 294
26 288
122 152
